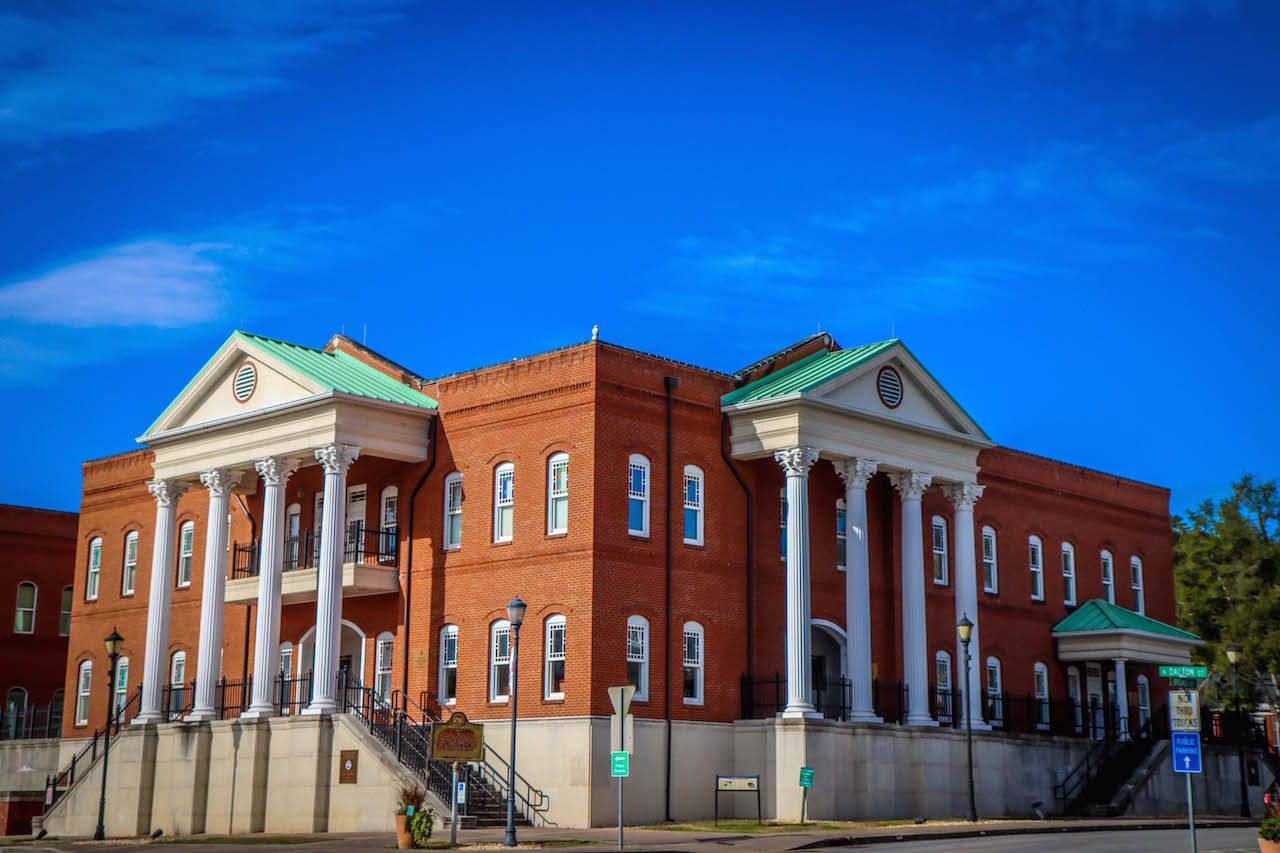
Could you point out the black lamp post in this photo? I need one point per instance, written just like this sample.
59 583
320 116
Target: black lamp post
965 629
1234 654
114 642
515 614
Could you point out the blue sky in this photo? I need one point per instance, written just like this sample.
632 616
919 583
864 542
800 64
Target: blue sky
1068 210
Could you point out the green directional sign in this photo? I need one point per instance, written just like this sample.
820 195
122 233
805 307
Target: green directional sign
806 777
1184 672
1184 683
620 763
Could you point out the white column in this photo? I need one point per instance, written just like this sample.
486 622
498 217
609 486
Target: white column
335 458
915 640
963 497
219 483
1122 699
155 666
266 641
857 588
796 463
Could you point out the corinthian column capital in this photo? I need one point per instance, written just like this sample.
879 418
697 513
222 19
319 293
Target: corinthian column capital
964 495
220 481
796 461
336 458
275 470
856 472
166 492
911 484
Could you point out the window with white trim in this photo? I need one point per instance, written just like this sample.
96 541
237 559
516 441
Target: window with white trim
129 575
24 613
693 484
637 495
1108 577
504 502
693 658
558 494
121 692
383 650
1073 694
990 572
1040 681
448 687
94 571
64 621
842 536
1144 700
995 690
782 523
500 661
1135 572
942 672
1034 561
638 656
1068 574
389 523
453 510
177 682
553 677
286 660
84 681
939 551
186 549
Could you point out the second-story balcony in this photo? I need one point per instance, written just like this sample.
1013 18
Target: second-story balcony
370 565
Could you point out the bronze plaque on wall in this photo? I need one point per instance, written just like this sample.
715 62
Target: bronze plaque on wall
348 764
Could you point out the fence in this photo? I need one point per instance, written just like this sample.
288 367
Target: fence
39 721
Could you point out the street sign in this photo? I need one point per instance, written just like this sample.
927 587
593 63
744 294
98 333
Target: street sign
1200 672
619 764
1184 711
621 699
1184 683
625 739
1186 752
806 777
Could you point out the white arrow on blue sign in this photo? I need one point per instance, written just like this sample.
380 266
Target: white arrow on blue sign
1186 752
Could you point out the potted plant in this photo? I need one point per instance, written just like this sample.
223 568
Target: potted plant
421 824
1269 835
411 799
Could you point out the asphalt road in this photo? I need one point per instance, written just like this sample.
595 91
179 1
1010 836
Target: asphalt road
1243 840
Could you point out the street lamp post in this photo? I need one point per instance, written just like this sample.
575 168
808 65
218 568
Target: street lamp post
965 629
515 615
1234 653
113 642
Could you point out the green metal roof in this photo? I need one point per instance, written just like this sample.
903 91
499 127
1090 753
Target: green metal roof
333 371
1099 615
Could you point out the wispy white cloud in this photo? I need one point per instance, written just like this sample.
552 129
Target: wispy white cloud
79 69
1244 154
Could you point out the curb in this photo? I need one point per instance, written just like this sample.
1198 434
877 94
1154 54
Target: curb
949 834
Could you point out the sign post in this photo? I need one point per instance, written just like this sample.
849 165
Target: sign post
806 782
738 783
621 737
457 741
1186 760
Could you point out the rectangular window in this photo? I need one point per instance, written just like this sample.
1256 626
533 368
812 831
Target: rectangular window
504 504
24 617
1135 570
637 498
122 686
692 508
842 537
555 659
382 668
558 496
64 624
1108 579
500 680
1068 575
942 675
95 570
939 551
449 666
82 693
637 659
130 572
990 578
1042 697
453 512
692 666
1037 572
186 545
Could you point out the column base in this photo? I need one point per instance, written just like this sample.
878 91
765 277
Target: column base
800 712
256 712
922 720
200 715
147 718
320 709
980 726
864 717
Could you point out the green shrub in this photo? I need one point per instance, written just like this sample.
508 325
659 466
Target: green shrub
1270 829
421 824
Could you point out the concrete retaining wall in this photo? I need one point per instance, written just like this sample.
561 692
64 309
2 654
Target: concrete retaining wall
24 764
1215 791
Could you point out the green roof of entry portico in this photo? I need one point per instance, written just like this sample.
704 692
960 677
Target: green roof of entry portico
1096 616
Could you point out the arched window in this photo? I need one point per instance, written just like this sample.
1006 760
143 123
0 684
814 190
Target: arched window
384 648
84 682
1036 565
942 687
186 549
448 687
389 535
129 575
1040 681
1073 695
782 523
693 514
1068 574
637 495
121 691
693 660
94 571
939 550
504 502
638 656
558 493
553 677
1108 577
177 682
24 614
453 510
500 661
64 622
1144 700
13 717
1135 571
286 660
990 573
842 536
995 693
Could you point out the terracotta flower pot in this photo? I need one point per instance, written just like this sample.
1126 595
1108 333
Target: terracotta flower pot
1266 846
404 838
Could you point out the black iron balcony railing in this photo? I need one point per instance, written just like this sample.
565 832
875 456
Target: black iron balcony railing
371 546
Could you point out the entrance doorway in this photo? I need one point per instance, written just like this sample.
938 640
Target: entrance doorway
826 649
1096 700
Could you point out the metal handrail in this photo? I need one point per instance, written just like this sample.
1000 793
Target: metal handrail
68 773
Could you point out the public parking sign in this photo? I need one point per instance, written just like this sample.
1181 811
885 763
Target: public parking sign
1186 752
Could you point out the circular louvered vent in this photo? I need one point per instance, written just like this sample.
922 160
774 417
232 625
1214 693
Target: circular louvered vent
889 384
246 380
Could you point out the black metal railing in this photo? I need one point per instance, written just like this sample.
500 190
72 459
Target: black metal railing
300 552
244 559
379 545
762 698
372 546
60 782
32 721
945 706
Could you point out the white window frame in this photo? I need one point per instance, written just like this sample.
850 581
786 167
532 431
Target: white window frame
697 662
993 664
447 663
555 624
120 695
383 657
1107 567
388 528
1068 574
93 575
18 609
178 669
64 615
842 536
84 688
496 630
638 462
1040 679
286 659
452 507
1136 581
1144 708
693 474
557 494
186 553
990 559
505 471
782 523
1075 688
129 567
942 657
1035 564
938 530
640 626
